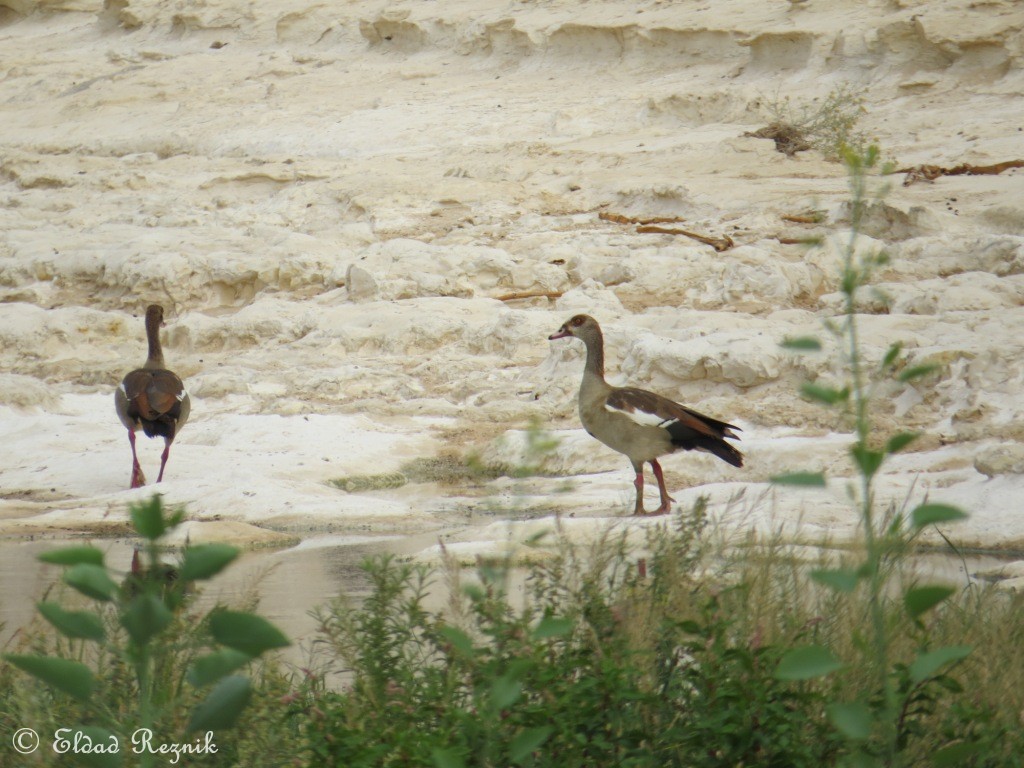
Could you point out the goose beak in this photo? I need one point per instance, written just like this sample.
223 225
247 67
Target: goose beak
561 333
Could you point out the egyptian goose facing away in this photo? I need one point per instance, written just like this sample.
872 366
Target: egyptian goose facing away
153 398
638 423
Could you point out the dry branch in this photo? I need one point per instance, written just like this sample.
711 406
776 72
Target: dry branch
789 139
932 172
516 295
723 243
618 218
815 217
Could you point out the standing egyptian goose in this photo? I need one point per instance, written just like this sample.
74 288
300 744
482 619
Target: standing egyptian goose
153 398
638 423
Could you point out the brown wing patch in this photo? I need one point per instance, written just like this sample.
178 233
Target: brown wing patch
164 392
687 429
135 383
632 400
152 394
721 427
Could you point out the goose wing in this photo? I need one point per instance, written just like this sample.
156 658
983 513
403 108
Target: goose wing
687 428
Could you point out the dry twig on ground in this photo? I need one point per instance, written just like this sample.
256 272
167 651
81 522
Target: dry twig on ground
516 295
814 217
720 244
618 218
932 172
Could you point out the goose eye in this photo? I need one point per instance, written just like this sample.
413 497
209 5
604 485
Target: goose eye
577 321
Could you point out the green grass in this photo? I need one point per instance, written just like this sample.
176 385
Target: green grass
449 468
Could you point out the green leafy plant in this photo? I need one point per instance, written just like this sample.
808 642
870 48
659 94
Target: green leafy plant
128 637
878 727
595 657
669 649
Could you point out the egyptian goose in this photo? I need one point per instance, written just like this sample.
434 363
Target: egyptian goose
153 398
638 423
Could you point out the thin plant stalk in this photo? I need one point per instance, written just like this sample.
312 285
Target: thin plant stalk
853 276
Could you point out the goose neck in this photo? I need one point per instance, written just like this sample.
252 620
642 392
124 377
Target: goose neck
595 354
156 352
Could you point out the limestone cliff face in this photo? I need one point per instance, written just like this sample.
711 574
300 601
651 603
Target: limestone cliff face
379 211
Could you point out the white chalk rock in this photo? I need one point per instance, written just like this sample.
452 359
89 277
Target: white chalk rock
361 285
591 298
1002 459
735 357
751 274
263 323
27 392
948 254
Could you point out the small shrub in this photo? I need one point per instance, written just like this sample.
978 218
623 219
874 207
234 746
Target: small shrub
829 126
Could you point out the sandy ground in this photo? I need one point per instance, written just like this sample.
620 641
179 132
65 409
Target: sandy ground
337 205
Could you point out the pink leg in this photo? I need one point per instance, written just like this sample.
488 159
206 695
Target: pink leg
163 459
666 500
639 484
138 479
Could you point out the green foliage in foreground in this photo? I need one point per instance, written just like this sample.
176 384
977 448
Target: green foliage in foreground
685 656
874 722
591 669
673 652
132 657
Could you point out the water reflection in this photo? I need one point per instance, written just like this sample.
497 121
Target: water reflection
290 583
